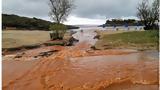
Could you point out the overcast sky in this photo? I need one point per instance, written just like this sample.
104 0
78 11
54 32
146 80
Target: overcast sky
86 11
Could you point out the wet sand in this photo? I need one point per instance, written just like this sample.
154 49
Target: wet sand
79 68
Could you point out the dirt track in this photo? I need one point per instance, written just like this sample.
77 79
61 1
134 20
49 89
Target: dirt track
78 68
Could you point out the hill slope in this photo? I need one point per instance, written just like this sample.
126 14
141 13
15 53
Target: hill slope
19 22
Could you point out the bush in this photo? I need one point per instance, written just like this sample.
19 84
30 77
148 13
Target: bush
57 27
58 31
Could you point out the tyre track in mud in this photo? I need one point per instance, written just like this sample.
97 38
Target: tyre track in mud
41 70
44 62
43 65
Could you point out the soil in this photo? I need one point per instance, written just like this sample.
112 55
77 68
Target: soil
80 68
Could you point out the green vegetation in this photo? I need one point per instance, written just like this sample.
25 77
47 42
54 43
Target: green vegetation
140 40
58 27
27 23
58 31
120 22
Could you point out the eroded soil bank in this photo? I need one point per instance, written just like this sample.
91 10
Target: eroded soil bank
79 68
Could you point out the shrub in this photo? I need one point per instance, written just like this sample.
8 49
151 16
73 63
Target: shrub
58 31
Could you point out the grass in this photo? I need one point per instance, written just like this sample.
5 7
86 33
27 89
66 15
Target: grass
13 38
140 40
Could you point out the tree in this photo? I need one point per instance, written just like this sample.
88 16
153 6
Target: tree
155 10
149 14
59 11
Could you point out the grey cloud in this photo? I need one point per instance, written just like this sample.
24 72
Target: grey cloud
84 8
33 8
106 8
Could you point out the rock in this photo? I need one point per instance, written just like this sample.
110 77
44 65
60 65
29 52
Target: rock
97 37
71 41
6 57
56 42
46 54
31 46
19 55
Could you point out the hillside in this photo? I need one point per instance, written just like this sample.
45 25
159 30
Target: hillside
19 22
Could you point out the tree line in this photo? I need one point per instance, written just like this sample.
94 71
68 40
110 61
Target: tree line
120 22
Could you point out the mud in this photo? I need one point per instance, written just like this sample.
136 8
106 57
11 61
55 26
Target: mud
80 68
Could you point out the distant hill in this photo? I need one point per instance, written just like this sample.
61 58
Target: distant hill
120 22
19 22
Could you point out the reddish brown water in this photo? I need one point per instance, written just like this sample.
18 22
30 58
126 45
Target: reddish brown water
132 70
78 68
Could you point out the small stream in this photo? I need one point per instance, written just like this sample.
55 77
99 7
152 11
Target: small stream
86 35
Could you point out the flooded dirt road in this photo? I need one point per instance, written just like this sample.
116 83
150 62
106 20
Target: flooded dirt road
80 68
85 36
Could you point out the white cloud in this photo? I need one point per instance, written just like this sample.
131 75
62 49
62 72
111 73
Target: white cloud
74 20
130 17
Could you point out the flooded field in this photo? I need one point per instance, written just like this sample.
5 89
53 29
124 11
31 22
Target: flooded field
80 68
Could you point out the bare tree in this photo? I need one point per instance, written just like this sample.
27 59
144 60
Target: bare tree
148 14
155 10
60 9
143 11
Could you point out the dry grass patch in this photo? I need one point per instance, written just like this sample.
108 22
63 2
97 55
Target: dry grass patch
14 38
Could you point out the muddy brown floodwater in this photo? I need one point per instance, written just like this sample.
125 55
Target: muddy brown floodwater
79 68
